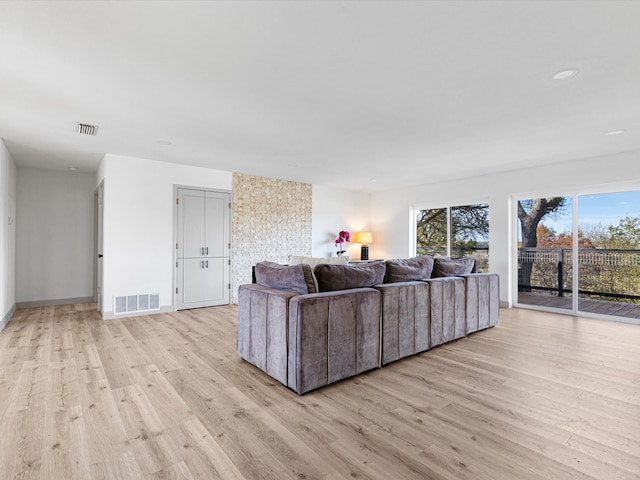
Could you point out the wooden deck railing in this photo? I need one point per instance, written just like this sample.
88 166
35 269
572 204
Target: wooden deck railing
551 269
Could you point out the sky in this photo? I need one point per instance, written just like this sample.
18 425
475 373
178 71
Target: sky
604 209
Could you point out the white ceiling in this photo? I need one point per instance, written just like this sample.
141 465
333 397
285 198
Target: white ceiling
360 95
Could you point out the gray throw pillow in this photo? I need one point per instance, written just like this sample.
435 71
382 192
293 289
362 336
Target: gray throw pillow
408 269
451 267
343 277
293 278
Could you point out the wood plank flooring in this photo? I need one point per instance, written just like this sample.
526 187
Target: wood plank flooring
540 396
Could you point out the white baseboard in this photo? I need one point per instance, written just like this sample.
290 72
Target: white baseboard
7 317
57 301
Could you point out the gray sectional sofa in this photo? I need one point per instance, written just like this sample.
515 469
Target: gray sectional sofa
308 328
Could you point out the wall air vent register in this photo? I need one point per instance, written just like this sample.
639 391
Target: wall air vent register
146 302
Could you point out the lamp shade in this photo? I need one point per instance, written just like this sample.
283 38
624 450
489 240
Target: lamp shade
363 237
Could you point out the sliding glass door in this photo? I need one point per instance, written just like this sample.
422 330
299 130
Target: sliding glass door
609 254
580 253
545 239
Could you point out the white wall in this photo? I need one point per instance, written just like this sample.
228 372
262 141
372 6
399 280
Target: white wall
139 213
392 210
55 223
139 207
334 210
7 235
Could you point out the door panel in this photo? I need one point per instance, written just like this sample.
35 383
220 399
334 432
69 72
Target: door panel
217 214
204 282
191 213
608 255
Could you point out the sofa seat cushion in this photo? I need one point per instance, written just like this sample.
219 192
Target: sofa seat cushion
408 269
452 267
344 277
292 278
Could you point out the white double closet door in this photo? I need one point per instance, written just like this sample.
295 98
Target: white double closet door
202 246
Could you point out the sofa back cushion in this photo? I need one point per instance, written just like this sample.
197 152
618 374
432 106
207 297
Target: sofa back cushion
313 261
408 269
452 267
293 278
343 277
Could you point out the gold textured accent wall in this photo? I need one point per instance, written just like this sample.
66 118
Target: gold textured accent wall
271 220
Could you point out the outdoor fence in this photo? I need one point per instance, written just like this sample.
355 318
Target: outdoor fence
603 273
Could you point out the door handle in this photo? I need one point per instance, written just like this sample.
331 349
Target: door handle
206 264
206 250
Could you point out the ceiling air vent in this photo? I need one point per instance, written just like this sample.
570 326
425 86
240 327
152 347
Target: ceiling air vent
86 129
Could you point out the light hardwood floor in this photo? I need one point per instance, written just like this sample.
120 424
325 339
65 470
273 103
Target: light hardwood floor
540 396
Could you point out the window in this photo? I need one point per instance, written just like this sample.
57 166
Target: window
455 231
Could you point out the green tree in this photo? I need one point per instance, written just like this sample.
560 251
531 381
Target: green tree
626 235
431 231
469 223
600 269
530 212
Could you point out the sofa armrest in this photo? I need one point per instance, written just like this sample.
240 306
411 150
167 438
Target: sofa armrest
332 335
263 315
483 300
405 319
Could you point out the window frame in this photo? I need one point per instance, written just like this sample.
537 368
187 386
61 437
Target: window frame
447 206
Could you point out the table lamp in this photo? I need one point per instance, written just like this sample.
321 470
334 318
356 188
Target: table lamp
365 238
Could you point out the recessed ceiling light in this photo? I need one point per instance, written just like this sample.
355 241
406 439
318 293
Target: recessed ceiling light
163 142
616 132
565 74
73 169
